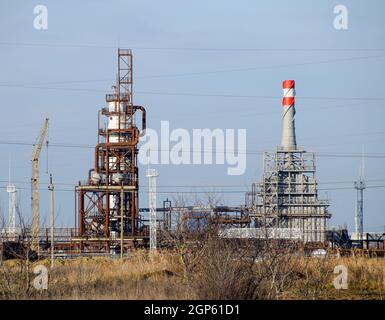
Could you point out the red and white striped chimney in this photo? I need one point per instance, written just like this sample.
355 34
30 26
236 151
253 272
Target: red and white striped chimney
288 127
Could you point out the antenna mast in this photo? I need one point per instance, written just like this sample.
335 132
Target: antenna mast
360 186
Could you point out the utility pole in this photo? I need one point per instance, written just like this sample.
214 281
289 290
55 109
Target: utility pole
51 189
11 189
152 174
121 223
35 188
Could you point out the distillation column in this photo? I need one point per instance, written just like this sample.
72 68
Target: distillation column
108 202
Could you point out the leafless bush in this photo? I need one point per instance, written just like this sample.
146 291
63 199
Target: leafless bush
219 268
316 277
277 265
15 280
226 270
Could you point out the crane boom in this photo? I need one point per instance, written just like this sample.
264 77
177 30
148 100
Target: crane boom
35 187
39 144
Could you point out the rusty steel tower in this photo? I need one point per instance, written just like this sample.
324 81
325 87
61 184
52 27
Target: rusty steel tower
107 203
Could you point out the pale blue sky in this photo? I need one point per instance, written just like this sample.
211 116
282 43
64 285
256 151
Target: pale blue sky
259 36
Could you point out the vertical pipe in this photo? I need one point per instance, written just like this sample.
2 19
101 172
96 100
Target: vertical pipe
76 210
130 81
121 222
107 213
81 217
134 193
51 188
118 108
98 126
133 201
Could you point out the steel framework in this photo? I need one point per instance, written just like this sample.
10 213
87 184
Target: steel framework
287 196
107 204
359 218
11 189
152 174
35 198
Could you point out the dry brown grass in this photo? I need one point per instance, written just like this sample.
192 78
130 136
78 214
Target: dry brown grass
218 275
139 277
366 279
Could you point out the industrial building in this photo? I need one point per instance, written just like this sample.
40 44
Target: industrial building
286 197
107 203
284 204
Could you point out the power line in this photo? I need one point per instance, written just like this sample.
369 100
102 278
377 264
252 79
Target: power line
258 96
58 82
256 152
195 94
49 88
203 72
200 185
210 192
236 49
191 73
262 67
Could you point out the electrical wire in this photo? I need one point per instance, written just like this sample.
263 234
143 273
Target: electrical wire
319 154
202 185
195 94
237 49
209 192
184 74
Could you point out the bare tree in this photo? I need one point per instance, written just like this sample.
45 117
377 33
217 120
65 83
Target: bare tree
316 272
16 278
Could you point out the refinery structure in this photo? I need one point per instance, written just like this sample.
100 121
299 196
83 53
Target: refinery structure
283 205
107 203
287 198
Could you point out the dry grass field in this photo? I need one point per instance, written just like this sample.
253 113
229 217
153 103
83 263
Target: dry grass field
219 275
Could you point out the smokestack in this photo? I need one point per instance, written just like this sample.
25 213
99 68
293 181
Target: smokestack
288 127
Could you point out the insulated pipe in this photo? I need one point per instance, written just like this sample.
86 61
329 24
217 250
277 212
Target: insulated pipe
288 125
143 131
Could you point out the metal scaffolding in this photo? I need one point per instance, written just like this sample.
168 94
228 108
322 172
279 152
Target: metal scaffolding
35 197
287 196
360 186
107 204
11 189
152 174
